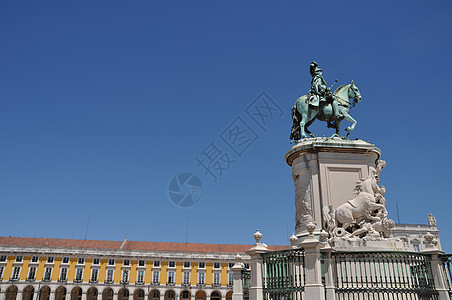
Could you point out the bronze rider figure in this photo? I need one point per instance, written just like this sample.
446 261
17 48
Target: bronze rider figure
319 89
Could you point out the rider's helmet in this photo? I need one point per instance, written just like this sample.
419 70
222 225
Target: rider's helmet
314 67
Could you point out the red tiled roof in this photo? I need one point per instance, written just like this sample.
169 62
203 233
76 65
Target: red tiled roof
129 245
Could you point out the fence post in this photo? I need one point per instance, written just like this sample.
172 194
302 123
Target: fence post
330 292
436 264
237 287
314 288
257 266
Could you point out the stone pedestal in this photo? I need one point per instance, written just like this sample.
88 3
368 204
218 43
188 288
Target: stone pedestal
325 171
365 244
257 267
313 288
237 287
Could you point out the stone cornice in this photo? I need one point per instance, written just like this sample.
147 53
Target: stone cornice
118 254
315 145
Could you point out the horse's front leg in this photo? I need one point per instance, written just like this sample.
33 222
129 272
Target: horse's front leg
302 127
369 217
350 119
338 128
307 125
381 210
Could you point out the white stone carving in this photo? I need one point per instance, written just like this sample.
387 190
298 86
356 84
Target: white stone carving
293 240
365 215
304 211
431 220
329 219
430 241
257 236
258 245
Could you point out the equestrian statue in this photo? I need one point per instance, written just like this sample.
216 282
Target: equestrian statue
323 105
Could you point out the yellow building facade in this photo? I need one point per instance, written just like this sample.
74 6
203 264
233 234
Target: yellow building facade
61 269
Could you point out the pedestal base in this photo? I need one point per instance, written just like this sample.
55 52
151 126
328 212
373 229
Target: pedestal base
363 244
325 171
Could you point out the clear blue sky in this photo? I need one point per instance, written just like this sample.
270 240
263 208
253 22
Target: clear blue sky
103 102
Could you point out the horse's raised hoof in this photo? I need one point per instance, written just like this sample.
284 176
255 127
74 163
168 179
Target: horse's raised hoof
312 135
348 129
335 135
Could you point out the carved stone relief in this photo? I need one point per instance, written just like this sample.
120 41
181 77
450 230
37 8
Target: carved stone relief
364 216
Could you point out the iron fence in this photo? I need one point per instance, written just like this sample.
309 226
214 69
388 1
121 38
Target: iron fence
284 275
446 267
383 275
246 276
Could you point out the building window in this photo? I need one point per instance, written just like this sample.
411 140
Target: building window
3 258
171 264
111 262
416 247
50 259
140 277
1 272
47 274
15 275
126 262
186 278
34 259
216 265
81 261
110 275
171 278
63 275
125 275
231 279
202 265
95 261
155 277
231 265
185 295
156 263
141 263
19 258
156 294
202 278
186 264
94 275
65 260
32 273
247 266
216 279
79 275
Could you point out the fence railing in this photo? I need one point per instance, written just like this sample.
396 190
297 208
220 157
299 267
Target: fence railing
246 277
447 271
284 275
383 275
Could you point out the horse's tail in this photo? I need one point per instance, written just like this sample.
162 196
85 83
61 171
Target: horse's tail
296 130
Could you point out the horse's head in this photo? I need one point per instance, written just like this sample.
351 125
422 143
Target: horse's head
353 93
